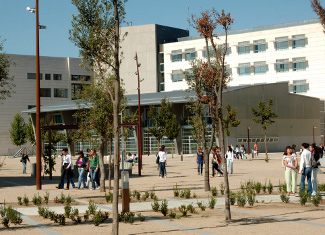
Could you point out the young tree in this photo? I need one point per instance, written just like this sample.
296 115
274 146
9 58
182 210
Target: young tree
230 120
264 117
96 31
212 73
172 129
30 136
319 10
6 83
18 131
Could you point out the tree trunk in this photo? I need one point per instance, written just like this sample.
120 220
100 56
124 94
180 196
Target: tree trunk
158 143
266 155
116 106
110 165
102 166
227 141
206 157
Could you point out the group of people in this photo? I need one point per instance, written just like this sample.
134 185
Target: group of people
308 167
132 158
89 163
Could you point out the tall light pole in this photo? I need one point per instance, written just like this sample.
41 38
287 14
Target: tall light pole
38 103
248 128
139 124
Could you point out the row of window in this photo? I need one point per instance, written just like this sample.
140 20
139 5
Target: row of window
48 76
245 47
58 92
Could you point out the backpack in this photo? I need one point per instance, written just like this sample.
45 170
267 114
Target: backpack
157 158
218 159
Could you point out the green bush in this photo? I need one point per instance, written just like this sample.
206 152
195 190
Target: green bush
25 200
155 206
303 197
67 210
176 191
183 210
182 194
109 197
172 214
68 200
191 208
264 187
270 187
187 193
258 187
251 196
19 200
241 199
141 217
147 194
222 188
201 205
214 191
62 198
99 217
164 207
284 197
321 187
212 203
232 198
316 199
92 207
37 200
9 215
46 197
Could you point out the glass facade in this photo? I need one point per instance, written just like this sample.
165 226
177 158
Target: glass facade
260 67
298 41
190 54
176 55
244 69
282 43
300 86
299 63
259 46
177 75
243 47
282 65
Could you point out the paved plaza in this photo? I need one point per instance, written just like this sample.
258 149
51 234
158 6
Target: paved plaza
265 217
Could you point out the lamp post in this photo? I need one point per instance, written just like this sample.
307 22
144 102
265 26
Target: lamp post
139 123
314 134
38 109
248 128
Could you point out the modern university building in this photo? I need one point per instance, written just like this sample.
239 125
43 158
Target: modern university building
284 62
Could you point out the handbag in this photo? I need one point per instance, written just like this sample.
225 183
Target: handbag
313 162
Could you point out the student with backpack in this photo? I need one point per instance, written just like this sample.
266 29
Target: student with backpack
162 158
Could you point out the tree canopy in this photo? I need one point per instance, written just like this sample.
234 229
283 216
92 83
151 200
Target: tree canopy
6 81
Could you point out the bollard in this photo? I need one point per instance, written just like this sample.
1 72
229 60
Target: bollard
125 191
252 153
33 170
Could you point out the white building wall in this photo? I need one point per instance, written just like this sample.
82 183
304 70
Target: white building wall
314 51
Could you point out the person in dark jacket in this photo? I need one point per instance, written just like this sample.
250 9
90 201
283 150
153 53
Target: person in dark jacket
23 160
81 163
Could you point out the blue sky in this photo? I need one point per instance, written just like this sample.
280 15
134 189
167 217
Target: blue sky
17 25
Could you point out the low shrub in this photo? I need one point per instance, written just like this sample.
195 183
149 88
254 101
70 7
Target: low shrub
187 193
172 214
222 188
176 191
214 191
284 197
303 197
241 199
164 207
183 210
155 206
141 217
191 208
19 200
201 205
212 203
46 197
232 198
270 187
109 197
258 187
37 200
25 200
316 199
264 187
67 210
92 207
251 196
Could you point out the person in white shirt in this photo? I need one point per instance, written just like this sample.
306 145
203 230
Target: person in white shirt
162 162
65 170
290 162
305 168
230 158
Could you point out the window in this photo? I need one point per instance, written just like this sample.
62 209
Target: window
177 75
244 69
299 63
259 46
47 76
57 76
298 41
61 92
222 48
300 86
76 90
33 76
176 55
190 54
243 47
83 78
211 52
57 118
282 65
45 92
281 43
260 67
189 74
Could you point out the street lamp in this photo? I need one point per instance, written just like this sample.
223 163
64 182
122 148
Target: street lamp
38 110
139 110
248 128
314 134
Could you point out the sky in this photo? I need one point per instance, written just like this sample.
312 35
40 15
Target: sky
17 25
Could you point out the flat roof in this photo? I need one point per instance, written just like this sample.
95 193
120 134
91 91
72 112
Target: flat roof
256 29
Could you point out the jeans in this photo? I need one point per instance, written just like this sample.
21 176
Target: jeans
199 165
215 166
306 173
314 181
229 162
81 177
93 176
24 169
291 180
162 169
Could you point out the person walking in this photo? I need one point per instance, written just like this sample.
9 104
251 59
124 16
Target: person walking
291 163
242 151
315 154
162 162
65 169
81 163
321 150
200 160
305 168
23 160
94 166
230 159
215 161
256 149
237 151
